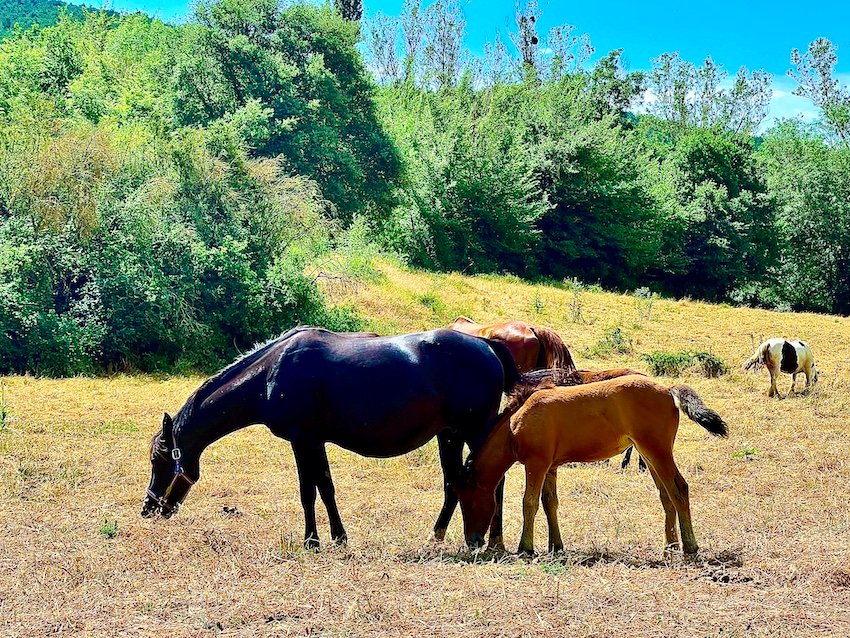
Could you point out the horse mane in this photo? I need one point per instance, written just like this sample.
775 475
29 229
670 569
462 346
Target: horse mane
239 364
553 351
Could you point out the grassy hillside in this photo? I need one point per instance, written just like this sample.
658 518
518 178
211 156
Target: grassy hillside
769 504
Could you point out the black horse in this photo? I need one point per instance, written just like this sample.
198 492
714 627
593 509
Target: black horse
376 396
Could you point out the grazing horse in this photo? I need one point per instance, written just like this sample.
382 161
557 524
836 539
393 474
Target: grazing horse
790 357
585 423
533 347
376 396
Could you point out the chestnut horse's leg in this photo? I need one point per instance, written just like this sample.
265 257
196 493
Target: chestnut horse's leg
535 474
451 460
328 494
550 506
497 541
671 539
305 462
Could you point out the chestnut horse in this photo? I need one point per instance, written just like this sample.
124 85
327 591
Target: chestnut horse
533 347
376 396
585 423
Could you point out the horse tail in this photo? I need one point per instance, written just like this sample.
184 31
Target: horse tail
759 357
553 351
511 372
688 401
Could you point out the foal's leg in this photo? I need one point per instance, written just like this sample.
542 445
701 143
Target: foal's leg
550 506
671 539
451 460
305 462
328 494
677 489
535 474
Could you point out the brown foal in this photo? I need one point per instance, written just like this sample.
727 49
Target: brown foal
585 423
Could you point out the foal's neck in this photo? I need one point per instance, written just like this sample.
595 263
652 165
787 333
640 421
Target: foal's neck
496 455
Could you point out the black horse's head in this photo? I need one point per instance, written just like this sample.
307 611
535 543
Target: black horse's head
169 483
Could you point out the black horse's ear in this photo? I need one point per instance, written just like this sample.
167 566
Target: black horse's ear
167 426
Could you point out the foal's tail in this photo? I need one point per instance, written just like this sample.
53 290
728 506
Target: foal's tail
553 351
759 357
688 401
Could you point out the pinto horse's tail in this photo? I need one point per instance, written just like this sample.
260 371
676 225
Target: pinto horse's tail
512 374
553 351
759 357
688 401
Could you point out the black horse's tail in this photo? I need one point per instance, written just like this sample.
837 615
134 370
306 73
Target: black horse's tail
688 401
508 364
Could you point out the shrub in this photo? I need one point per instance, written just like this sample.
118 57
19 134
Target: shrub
614 341
673 364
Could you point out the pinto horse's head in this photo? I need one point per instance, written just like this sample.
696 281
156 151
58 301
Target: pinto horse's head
169 483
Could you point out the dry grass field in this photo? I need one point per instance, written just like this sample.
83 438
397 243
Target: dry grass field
770 504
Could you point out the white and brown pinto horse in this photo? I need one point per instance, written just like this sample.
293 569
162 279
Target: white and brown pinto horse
790 357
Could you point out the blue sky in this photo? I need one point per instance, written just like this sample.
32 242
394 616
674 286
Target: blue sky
759 35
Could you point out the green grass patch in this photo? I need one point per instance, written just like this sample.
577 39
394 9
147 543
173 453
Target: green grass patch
673 364
615 340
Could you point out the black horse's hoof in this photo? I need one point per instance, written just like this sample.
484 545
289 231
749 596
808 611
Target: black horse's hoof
311 543
341 540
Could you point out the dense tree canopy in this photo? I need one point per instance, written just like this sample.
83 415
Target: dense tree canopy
163 189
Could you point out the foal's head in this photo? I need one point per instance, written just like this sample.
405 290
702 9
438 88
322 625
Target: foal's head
169 484
477 504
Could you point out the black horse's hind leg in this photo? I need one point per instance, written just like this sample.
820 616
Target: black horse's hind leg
627 457
328 494
497 540
451 460
305 461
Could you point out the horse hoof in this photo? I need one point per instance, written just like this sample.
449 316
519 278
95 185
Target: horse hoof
341 540
312 544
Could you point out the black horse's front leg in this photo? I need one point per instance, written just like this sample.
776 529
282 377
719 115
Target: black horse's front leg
497 540
305 462
451 460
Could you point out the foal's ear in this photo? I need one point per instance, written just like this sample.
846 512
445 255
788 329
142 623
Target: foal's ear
167 426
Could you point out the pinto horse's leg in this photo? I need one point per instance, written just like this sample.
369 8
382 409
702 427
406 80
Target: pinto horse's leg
328 494
451 460
550 506
305 462
793 383
773 389
535 474
497 541
671 539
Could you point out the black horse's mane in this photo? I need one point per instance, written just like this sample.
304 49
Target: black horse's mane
228 372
